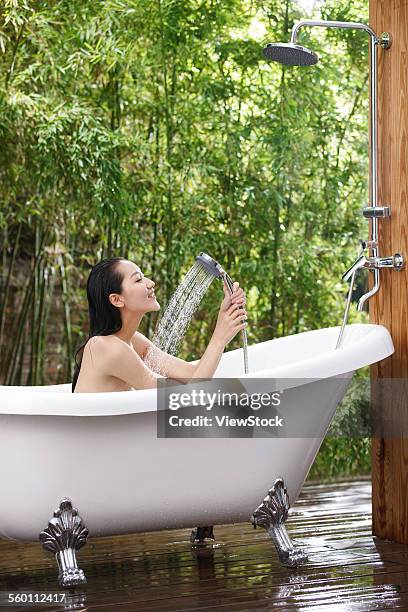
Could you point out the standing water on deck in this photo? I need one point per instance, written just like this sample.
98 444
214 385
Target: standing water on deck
172 325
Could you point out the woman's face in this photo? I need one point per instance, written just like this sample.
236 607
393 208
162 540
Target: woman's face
137 290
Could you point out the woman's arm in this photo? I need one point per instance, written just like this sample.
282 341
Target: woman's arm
168 365
229 322
179 369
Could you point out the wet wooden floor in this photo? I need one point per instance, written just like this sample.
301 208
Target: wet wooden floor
348 569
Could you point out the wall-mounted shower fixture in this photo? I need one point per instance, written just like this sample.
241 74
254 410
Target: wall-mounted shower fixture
373 263
293 54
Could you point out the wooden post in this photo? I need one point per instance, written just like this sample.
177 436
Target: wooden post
390 306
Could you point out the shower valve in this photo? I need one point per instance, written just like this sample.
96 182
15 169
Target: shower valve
396 262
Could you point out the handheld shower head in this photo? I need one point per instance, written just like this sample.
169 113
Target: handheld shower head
212 267
290 54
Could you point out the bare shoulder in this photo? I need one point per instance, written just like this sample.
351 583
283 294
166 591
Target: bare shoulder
104 346
101 341
113 357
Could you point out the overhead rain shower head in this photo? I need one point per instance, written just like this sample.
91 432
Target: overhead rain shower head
290 54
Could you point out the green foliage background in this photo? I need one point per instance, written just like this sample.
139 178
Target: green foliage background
154 129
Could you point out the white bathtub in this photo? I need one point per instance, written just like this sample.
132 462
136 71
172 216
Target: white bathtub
101 449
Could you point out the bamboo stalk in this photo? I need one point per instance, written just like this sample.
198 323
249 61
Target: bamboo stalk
168 108
50 293
4 258
18 379
20 321
3 305
40 324
34 308
10 69
67 314
19 326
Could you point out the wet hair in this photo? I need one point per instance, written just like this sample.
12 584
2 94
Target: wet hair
104 317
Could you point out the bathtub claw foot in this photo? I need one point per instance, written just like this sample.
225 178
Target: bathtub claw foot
271 515
200 534
71 578
64 535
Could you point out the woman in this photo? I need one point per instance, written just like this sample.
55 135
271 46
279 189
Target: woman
113 357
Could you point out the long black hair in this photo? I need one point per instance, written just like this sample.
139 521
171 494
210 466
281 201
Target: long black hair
104 317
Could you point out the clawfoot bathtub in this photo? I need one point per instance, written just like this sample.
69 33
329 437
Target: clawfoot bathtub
100 451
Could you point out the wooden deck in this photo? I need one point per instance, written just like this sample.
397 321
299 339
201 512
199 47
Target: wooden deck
348 569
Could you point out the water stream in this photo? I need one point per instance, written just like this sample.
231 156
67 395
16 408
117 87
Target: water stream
172 325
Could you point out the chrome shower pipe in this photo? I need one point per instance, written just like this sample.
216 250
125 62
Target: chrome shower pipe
385 42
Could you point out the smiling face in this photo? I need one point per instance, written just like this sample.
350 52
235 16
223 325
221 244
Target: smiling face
137 290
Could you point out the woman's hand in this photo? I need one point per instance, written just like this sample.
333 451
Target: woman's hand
232 312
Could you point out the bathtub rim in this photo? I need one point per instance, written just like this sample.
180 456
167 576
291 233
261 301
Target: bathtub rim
17 400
